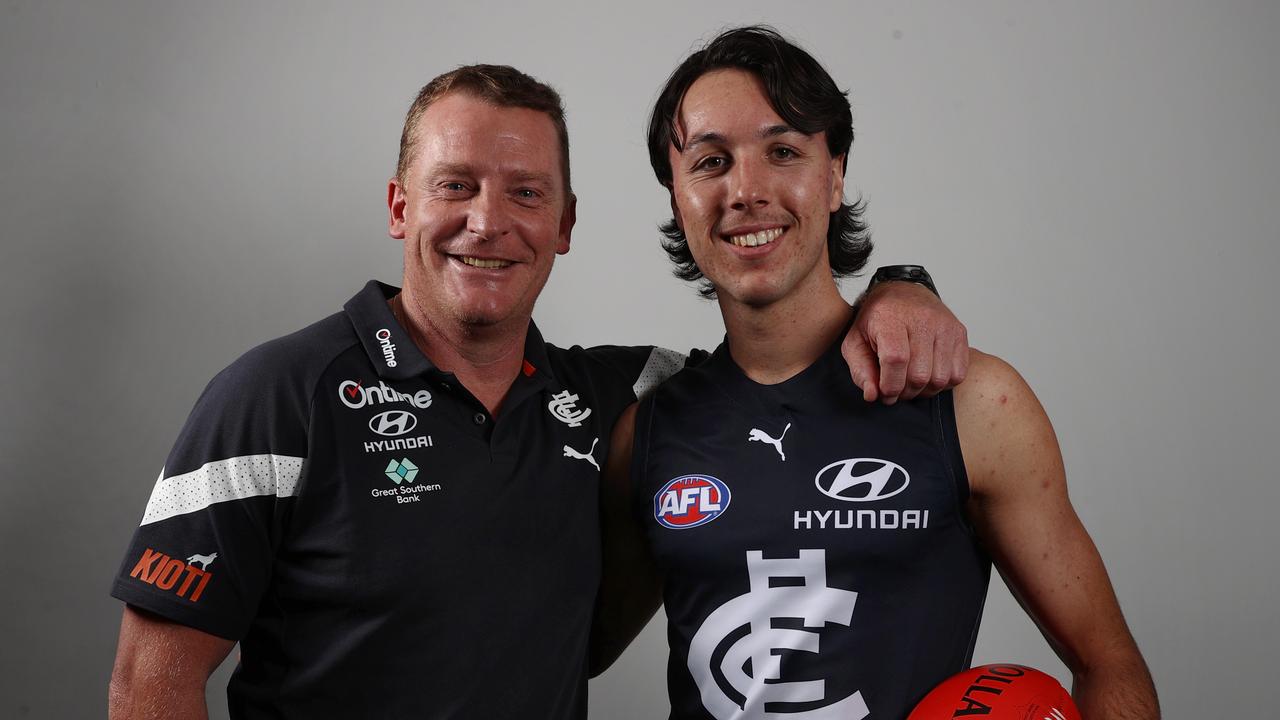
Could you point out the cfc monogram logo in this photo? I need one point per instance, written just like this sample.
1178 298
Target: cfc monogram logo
812 602
564 407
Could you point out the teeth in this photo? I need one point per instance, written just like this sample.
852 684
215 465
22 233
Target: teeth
483 263
756 239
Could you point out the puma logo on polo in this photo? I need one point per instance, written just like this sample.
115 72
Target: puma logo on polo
571 453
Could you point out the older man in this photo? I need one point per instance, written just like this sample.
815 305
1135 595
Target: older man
394 510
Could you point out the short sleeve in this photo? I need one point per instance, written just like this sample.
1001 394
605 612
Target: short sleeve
203 552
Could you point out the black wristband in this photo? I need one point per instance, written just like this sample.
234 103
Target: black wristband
906 273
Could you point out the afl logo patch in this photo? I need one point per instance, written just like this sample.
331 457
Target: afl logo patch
690 501
862 479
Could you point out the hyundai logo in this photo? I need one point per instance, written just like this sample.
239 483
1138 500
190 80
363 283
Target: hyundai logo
862 479
393 422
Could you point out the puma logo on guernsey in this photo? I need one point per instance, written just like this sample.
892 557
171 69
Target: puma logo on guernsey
204 560
164 572
761 436
571 453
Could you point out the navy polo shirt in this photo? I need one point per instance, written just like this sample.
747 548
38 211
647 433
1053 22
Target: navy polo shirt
378 543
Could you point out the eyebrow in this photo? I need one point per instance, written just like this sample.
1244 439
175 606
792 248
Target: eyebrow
449 169
715 137
522 176
528 176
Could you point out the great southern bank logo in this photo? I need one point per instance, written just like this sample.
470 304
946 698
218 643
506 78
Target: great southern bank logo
862 479
689 501
403 472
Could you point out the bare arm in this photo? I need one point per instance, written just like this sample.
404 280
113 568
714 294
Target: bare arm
905 343
630 589
1020 507
161 668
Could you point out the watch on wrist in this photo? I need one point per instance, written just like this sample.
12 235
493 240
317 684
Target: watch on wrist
906 273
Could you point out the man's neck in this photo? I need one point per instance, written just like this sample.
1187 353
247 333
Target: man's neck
776 342
485 359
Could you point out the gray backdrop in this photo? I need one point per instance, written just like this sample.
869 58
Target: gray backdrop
1094 187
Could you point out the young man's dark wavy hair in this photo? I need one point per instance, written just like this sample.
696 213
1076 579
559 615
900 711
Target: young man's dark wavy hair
804 96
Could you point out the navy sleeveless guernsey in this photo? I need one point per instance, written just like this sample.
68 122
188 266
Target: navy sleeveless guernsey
816 558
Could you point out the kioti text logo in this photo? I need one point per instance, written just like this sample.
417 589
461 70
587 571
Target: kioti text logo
164 572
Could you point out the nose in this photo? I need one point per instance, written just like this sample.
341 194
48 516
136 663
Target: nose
748 186
488 216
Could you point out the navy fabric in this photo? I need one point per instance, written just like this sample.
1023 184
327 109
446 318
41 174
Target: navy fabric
384 547
816 557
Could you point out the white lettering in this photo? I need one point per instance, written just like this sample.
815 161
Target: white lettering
807 519
678 500
355 396
823 516
860 519
706 502
412 443
388 349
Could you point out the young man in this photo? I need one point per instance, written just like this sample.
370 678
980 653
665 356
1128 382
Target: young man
820 556
394 510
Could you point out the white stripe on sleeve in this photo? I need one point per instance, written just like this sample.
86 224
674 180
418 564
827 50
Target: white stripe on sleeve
235 478
662 364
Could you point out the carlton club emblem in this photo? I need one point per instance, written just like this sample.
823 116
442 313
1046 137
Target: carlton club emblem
741 674
564 407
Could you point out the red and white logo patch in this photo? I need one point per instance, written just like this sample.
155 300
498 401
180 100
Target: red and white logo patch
689 501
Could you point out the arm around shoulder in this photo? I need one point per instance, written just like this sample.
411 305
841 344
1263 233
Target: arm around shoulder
161 668
1024 517
630 588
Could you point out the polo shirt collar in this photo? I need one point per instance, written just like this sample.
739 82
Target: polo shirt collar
385 341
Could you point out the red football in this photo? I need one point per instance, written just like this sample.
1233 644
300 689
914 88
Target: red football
998 692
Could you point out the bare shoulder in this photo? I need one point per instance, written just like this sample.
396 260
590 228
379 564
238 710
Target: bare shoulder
1003 428
991 385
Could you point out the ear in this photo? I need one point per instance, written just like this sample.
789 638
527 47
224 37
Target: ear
837 183
567 220
395 209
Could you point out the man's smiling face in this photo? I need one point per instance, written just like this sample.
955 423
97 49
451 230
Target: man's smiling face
482 210
753 196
